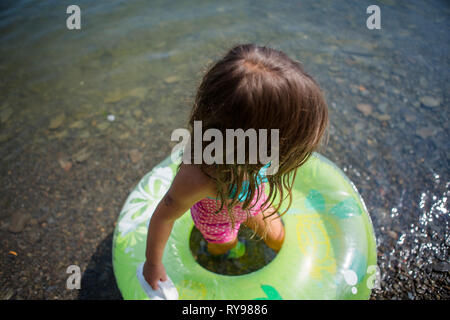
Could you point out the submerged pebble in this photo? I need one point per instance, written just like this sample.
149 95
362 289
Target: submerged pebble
139 92
115 96
76 125
383 107
172 79
382 117
102 126
364 108
135 155
429 102
85 134
81 155
65 164
426 132
57 121
18 221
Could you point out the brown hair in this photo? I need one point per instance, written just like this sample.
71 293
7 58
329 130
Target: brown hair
261 88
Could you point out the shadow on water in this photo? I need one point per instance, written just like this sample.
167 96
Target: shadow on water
254 254
98 281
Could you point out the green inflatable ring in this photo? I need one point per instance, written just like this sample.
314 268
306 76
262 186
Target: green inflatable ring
329 251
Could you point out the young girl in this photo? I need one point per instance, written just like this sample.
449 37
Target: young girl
250 87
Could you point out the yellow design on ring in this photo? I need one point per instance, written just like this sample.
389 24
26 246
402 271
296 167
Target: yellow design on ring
314 235
191 290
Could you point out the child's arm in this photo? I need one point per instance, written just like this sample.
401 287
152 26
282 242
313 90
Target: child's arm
188 187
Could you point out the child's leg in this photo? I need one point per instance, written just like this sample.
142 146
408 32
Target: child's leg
274 234
221 248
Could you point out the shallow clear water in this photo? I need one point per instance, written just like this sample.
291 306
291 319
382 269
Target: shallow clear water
249 255
142 61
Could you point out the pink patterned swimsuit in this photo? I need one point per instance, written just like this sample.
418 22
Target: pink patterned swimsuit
217 227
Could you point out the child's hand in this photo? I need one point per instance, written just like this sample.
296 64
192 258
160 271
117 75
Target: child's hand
154 272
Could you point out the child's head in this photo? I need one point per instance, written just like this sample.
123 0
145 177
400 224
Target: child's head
261 88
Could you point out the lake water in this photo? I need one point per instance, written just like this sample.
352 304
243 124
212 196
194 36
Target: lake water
141 62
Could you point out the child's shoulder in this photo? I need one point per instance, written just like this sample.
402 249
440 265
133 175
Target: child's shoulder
191 177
